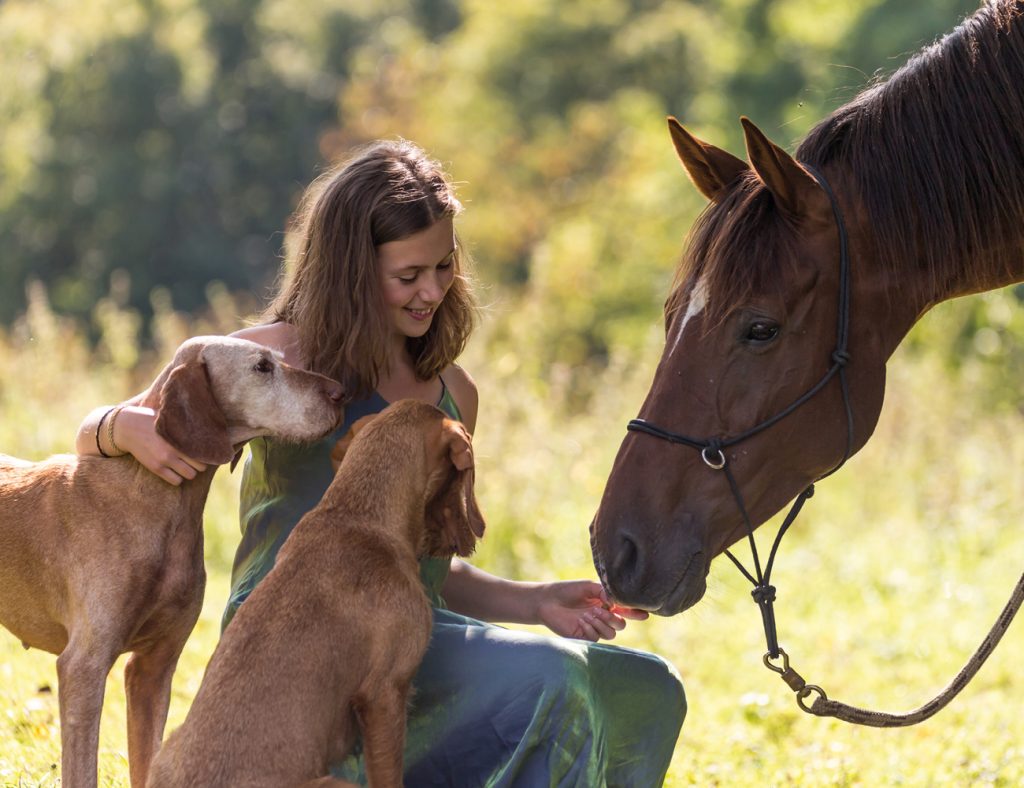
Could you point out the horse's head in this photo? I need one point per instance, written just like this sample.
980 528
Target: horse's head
751 327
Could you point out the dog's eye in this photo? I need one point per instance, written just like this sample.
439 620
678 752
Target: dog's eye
264 365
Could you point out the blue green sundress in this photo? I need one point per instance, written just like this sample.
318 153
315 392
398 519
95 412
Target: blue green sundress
492 706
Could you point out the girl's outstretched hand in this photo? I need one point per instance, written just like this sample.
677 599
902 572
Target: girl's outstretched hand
581 609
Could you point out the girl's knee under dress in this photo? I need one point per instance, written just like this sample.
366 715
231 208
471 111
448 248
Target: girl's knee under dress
491 706
498 707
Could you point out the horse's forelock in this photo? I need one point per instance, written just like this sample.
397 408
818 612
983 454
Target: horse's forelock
740 246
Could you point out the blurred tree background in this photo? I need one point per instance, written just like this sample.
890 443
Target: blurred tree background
149 147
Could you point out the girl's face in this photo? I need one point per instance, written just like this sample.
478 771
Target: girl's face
416 273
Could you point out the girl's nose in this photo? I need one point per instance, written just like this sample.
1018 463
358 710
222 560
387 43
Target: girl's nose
433 289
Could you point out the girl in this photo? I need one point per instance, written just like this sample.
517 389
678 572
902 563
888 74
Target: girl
376 297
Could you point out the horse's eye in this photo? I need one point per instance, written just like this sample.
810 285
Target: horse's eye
264 365
761 331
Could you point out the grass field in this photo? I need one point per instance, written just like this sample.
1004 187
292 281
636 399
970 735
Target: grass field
887 583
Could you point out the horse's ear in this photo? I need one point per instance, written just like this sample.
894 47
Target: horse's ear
711 169
794 189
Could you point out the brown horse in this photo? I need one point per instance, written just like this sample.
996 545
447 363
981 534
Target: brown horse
792 295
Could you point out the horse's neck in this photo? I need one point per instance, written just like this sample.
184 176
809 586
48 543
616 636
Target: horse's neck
891 300
917 290
1000 266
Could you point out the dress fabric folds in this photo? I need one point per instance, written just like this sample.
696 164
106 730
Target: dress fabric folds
492 706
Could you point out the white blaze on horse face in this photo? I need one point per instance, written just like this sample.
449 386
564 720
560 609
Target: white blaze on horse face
698 300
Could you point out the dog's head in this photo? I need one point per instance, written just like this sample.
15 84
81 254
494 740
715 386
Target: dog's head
219 392
452 518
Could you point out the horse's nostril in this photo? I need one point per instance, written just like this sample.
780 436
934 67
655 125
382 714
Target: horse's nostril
626 563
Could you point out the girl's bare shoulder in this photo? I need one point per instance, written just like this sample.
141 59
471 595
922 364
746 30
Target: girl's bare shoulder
463 391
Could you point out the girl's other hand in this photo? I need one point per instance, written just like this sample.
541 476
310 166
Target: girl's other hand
135 433
581 609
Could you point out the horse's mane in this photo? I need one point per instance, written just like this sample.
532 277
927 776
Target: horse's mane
935 152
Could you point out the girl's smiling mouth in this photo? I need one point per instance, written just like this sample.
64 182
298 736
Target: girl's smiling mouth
420 314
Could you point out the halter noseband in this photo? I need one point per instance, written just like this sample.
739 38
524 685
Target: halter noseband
712 449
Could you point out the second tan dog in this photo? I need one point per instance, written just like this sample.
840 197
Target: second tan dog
327 645
99 556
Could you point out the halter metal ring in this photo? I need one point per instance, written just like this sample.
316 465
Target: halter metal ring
714 462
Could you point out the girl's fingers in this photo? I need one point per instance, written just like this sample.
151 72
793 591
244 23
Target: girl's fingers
183 467
169 475
197 466
595 623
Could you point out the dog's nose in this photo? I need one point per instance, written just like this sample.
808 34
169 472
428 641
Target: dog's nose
334 391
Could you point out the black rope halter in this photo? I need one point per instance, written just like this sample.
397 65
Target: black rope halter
712 450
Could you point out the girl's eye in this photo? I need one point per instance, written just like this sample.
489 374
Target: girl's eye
408 280
761 331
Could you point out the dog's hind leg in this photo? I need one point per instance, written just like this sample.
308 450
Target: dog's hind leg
82 670
147 683
382 719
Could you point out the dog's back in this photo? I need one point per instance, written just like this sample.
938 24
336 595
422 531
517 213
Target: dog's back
63 523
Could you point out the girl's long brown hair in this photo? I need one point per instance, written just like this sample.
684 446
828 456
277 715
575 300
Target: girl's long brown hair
331 292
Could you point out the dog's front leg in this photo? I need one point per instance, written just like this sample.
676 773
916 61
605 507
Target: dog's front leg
81 677
382 719
147 683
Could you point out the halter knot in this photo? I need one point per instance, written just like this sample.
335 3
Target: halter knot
840 357
763 595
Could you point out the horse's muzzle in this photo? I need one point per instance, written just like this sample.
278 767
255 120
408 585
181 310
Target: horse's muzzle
664 579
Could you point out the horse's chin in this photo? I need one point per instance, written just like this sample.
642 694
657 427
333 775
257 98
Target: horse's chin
687 592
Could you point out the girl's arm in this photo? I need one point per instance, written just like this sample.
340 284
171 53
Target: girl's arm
129 428
572 608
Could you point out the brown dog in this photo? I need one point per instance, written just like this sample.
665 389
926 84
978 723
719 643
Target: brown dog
333 635
99 556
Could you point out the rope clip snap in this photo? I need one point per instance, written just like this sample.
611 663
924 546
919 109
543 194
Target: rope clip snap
807 690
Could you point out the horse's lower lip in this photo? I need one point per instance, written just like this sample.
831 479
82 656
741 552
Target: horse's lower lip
686 593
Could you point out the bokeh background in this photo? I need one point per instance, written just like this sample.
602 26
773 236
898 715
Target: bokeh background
151 152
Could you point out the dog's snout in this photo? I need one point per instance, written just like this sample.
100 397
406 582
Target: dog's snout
334 391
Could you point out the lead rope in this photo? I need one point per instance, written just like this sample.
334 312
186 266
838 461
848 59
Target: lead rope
823 707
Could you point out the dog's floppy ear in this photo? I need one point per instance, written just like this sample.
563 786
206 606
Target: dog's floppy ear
188 416
453 519
341 447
